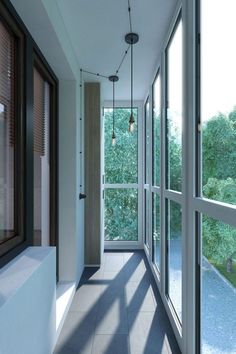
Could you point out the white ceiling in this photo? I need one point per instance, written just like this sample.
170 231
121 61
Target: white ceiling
97 29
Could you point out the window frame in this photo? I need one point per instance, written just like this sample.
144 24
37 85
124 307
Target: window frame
156 189
10 248
169 194
27 49
41 65
139 185
146 167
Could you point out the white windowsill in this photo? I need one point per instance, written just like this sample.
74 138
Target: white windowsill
65 294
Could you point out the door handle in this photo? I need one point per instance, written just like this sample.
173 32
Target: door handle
82 196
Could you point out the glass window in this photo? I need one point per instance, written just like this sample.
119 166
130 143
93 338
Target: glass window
121 160
41 160
146 192
156 129
121 214
156 231
174 228
9 144
147 140
218 100
174 109
218 287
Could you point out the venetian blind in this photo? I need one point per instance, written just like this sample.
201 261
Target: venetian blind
7 80
39 113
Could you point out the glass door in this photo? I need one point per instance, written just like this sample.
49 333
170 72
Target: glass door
121 180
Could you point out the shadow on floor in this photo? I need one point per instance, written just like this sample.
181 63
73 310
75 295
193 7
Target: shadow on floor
117 310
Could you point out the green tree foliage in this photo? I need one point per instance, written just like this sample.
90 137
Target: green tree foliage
121 160
174 149
121 166
219 147
121 214
219 183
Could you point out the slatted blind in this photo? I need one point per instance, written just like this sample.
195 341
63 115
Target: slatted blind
39 113
7 80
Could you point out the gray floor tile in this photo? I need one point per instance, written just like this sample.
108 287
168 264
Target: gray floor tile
113 263
117 310
133 257
92 273
64 350
148 334
77 333
86 298
136 272
112 316
110 344
139 296
113 283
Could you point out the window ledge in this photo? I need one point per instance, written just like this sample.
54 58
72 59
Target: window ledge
19 270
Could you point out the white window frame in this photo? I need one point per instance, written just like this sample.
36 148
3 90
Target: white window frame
139 186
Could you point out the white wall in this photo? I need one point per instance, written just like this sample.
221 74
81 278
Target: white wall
28 303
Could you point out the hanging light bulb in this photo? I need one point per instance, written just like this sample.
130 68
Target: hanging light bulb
131 123
113 139
113 78
131 38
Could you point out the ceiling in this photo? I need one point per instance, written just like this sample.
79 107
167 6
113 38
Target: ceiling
97 29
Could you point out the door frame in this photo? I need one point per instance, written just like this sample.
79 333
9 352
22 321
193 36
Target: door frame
139 186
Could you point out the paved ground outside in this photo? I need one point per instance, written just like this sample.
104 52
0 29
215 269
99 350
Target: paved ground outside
218 305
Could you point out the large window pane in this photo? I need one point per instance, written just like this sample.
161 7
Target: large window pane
218 295
218 100
121 214
174 229
156 231
147 140
41 160
8 141
146 192
156 129
121 160
174 110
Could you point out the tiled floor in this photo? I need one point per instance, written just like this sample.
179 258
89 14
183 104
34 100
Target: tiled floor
117 310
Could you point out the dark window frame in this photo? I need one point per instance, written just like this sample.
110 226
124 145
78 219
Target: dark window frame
40 64
27 51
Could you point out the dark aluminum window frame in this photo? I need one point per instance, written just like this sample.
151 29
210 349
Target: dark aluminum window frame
28 54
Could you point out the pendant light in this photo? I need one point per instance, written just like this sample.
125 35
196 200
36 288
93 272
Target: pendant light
113 79
131 38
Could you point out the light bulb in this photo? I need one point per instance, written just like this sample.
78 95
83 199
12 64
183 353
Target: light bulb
131 127
113 140
131 123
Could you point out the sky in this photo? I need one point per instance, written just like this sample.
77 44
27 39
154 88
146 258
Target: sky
218 57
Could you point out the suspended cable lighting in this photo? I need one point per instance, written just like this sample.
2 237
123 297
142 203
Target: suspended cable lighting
113 79
131 38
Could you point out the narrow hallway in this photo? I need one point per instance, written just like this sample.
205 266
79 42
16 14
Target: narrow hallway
117 310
